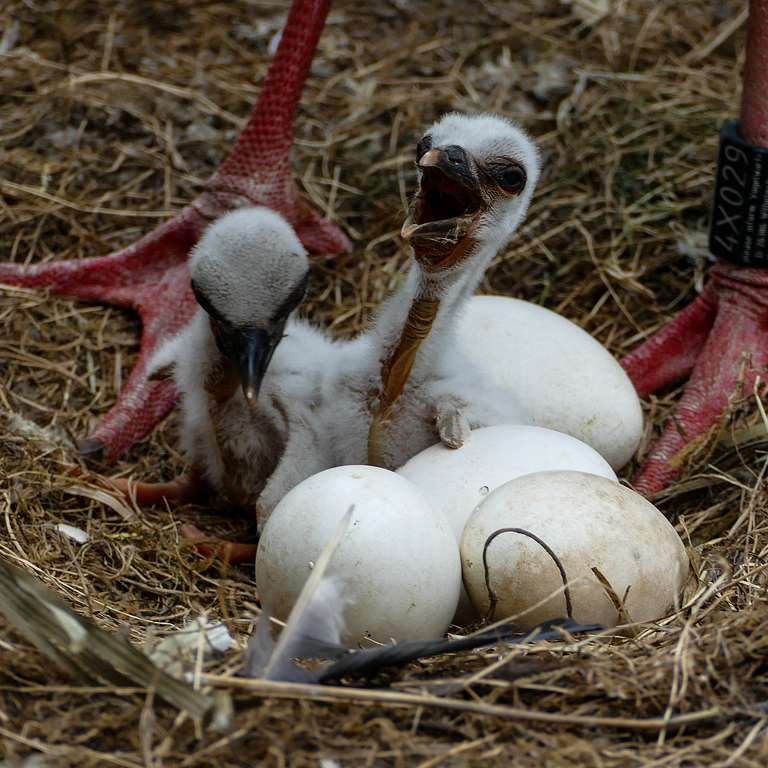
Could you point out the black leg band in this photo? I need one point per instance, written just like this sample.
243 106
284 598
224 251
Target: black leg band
739 228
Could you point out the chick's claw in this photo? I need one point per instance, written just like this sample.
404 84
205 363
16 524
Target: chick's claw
231 552
185 489
452 424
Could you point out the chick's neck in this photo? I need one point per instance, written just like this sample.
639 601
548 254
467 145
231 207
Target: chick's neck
434 296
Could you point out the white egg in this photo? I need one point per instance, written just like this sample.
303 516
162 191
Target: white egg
588 522
399 561
563 378
456 480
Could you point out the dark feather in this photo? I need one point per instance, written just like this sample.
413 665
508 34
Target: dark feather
398 654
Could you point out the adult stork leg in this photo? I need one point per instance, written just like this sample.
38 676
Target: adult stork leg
721 339
151 275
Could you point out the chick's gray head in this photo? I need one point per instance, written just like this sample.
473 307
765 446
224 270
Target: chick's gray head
477 174
249 272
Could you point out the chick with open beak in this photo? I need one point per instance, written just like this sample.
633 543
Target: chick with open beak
477 174
449 198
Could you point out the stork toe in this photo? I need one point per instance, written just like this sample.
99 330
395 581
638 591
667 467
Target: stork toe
670 354
733 356
320 236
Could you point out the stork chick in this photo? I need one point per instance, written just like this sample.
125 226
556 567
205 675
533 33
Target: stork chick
476 179
245 367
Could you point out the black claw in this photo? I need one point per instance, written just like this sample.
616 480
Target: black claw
91 448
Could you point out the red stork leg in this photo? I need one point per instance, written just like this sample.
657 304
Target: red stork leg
721 339
735 352
258 169
151 276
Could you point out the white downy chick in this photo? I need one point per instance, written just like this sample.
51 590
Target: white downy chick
476 179
251 376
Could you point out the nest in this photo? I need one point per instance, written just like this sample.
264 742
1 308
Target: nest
114 115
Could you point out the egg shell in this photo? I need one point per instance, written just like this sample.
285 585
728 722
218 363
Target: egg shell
563 378
456 480
398 561
588 522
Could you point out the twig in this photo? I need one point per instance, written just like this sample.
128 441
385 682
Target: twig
278 690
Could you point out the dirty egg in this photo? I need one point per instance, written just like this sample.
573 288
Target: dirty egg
622 559
457 480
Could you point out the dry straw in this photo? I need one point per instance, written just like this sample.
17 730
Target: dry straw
113 114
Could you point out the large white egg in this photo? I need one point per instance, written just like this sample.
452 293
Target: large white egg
563 378
398 561
456 480
588 522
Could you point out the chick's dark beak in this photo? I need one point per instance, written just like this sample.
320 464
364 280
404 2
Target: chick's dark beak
256 350
251 350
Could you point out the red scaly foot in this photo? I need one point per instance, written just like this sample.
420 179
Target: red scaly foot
151 276
721 340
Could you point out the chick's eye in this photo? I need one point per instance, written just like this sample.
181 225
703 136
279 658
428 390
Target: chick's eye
221 337
512 178
424 145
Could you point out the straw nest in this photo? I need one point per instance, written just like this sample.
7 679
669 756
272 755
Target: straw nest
114 114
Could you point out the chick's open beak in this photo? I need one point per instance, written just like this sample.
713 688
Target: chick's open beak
450 196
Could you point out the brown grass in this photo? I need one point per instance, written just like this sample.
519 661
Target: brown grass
114 114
